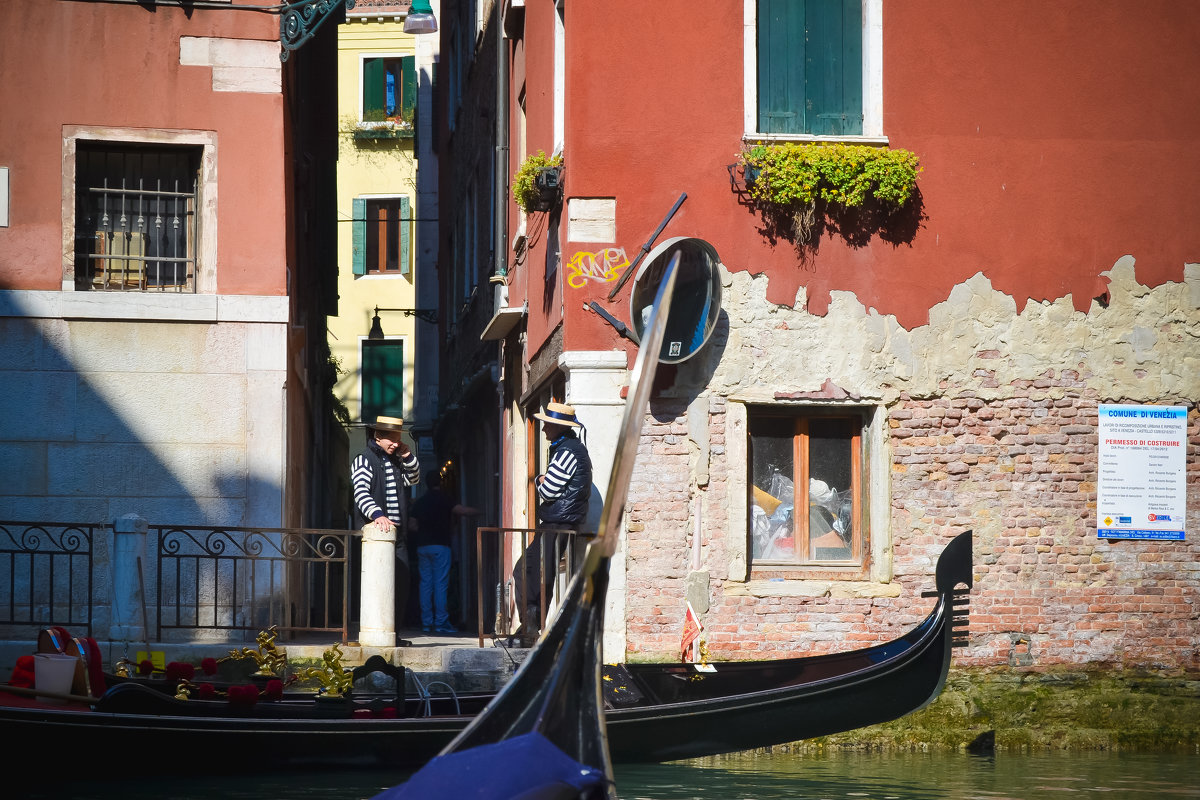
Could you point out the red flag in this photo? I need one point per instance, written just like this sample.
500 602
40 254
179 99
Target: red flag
691 632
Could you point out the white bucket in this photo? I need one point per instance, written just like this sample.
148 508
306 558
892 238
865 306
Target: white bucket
54 672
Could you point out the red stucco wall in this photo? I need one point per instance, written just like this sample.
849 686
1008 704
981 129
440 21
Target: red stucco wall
1055 138
117 65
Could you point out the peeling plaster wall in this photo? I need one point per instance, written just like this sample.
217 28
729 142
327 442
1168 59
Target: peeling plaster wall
1142 347
986 419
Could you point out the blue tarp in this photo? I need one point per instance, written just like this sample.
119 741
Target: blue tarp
526 767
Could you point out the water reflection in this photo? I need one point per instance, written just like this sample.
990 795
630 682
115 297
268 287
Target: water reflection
856 776
917 777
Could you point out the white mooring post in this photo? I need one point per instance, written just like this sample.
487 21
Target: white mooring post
377 607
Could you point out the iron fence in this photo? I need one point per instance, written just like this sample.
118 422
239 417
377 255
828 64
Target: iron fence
501 579
249 579
205 579
46 575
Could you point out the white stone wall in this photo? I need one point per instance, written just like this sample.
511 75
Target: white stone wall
179 422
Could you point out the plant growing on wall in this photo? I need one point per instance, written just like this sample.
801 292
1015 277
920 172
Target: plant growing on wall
525 190
376 125
804 178
333 374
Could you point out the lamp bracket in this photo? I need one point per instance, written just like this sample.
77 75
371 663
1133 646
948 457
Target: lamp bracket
429 315
298 22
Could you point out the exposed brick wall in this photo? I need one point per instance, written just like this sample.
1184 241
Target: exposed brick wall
658 544
1022 472
1017 465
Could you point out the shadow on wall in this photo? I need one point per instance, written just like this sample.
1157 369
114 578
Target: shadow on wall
87 448
856 226
68 453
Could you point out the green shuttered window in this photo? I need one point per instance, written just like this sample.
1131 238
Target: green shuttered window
389 88
380 239
810 71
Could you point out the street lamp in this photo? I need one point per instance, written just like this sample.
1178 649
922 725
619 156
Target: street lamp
420 18
427 314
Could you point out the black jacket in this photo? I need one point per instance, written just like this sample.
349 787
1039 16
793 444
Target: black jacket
571 506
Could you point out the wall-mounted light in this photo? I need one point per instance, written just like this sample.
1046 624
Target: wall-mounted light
427 314
420 18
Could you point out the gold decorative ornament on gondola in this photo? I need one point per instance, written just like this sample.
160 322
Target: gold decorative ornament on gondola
334 678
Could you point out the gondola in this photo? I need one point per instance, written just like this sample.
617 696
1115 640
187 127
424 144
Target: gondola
654 712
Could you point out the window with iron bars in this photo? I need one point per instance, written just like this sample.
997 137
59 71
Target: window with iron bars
135 217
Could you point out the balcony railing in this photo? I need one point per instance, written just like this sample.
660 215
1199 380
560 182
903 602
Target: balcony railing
211 582
250 579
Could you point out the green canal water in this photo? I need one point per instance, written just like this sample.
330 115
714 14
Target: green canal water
837 776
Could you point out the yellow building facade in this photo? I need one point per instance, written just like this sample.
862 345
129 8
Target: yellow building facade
374 338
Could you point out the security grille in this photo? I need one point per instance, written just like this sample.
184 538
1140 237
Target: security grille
135 217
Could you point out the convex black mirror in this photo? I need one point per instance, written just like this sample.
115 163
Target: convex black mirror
697 301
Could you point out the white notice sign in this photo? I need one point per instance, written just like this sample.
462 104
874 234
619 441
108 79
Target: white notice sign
1142 487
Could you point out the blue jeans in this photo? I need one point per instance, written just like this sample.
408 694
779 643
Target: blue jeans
433 561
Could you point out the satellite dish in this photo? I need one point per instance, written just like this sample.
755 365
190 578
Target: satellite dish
697 301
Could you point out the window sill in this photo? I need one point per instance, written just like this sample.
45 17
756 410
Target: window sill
383 130
800 138
518 242
805 587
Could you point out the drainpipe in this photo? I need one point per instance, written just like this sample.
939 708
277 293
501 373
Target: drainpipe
500 276
501 200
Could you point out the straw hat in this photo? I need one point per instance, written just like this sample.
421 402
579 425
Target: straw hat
388 424
559 414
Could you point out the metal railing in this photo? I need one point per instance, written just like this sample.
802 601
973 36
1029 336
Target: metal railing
217 580
249 579
200 579
501 577
46 575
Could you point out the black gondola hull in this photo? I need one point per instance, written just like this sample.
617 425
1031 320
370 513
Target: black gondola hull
684 711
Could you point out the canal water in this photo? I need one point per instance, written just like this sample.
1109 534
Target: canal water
842 776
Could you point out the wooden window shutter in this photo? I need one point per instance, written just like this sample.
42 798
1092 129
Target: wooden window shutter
373 87
405 227
781 48
408 86
358 236
833 67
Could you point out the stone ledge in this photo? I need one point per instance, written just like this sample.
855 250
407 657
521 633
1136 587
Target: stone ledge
808 588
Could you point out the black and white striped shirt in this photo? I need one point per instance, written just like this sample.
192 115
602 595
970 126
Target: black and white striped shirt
387 500
558 475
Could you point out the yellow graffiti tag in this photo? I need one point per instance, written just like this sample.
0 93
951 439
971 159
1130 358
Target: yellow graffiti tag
602 267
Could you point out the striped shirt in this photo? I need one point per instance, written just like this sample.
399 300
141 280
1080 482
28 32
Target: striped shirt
397 473
558 475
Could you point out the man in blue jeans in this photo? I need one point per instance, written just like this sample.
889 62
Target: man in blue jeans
432 519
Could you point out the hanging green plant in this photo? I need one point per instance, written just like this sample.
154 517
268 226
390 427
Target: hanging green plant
799 176
525 190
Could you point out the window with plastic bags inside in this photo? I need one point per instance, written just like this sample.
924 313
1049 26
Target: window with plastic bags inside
806 459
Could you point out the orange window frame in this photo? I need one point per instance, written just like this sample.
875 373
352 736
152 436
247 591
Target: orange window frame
801 448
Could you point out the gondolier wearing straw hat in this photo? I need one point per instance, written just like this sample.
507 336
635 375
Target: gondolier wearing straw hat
378 476
564 490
